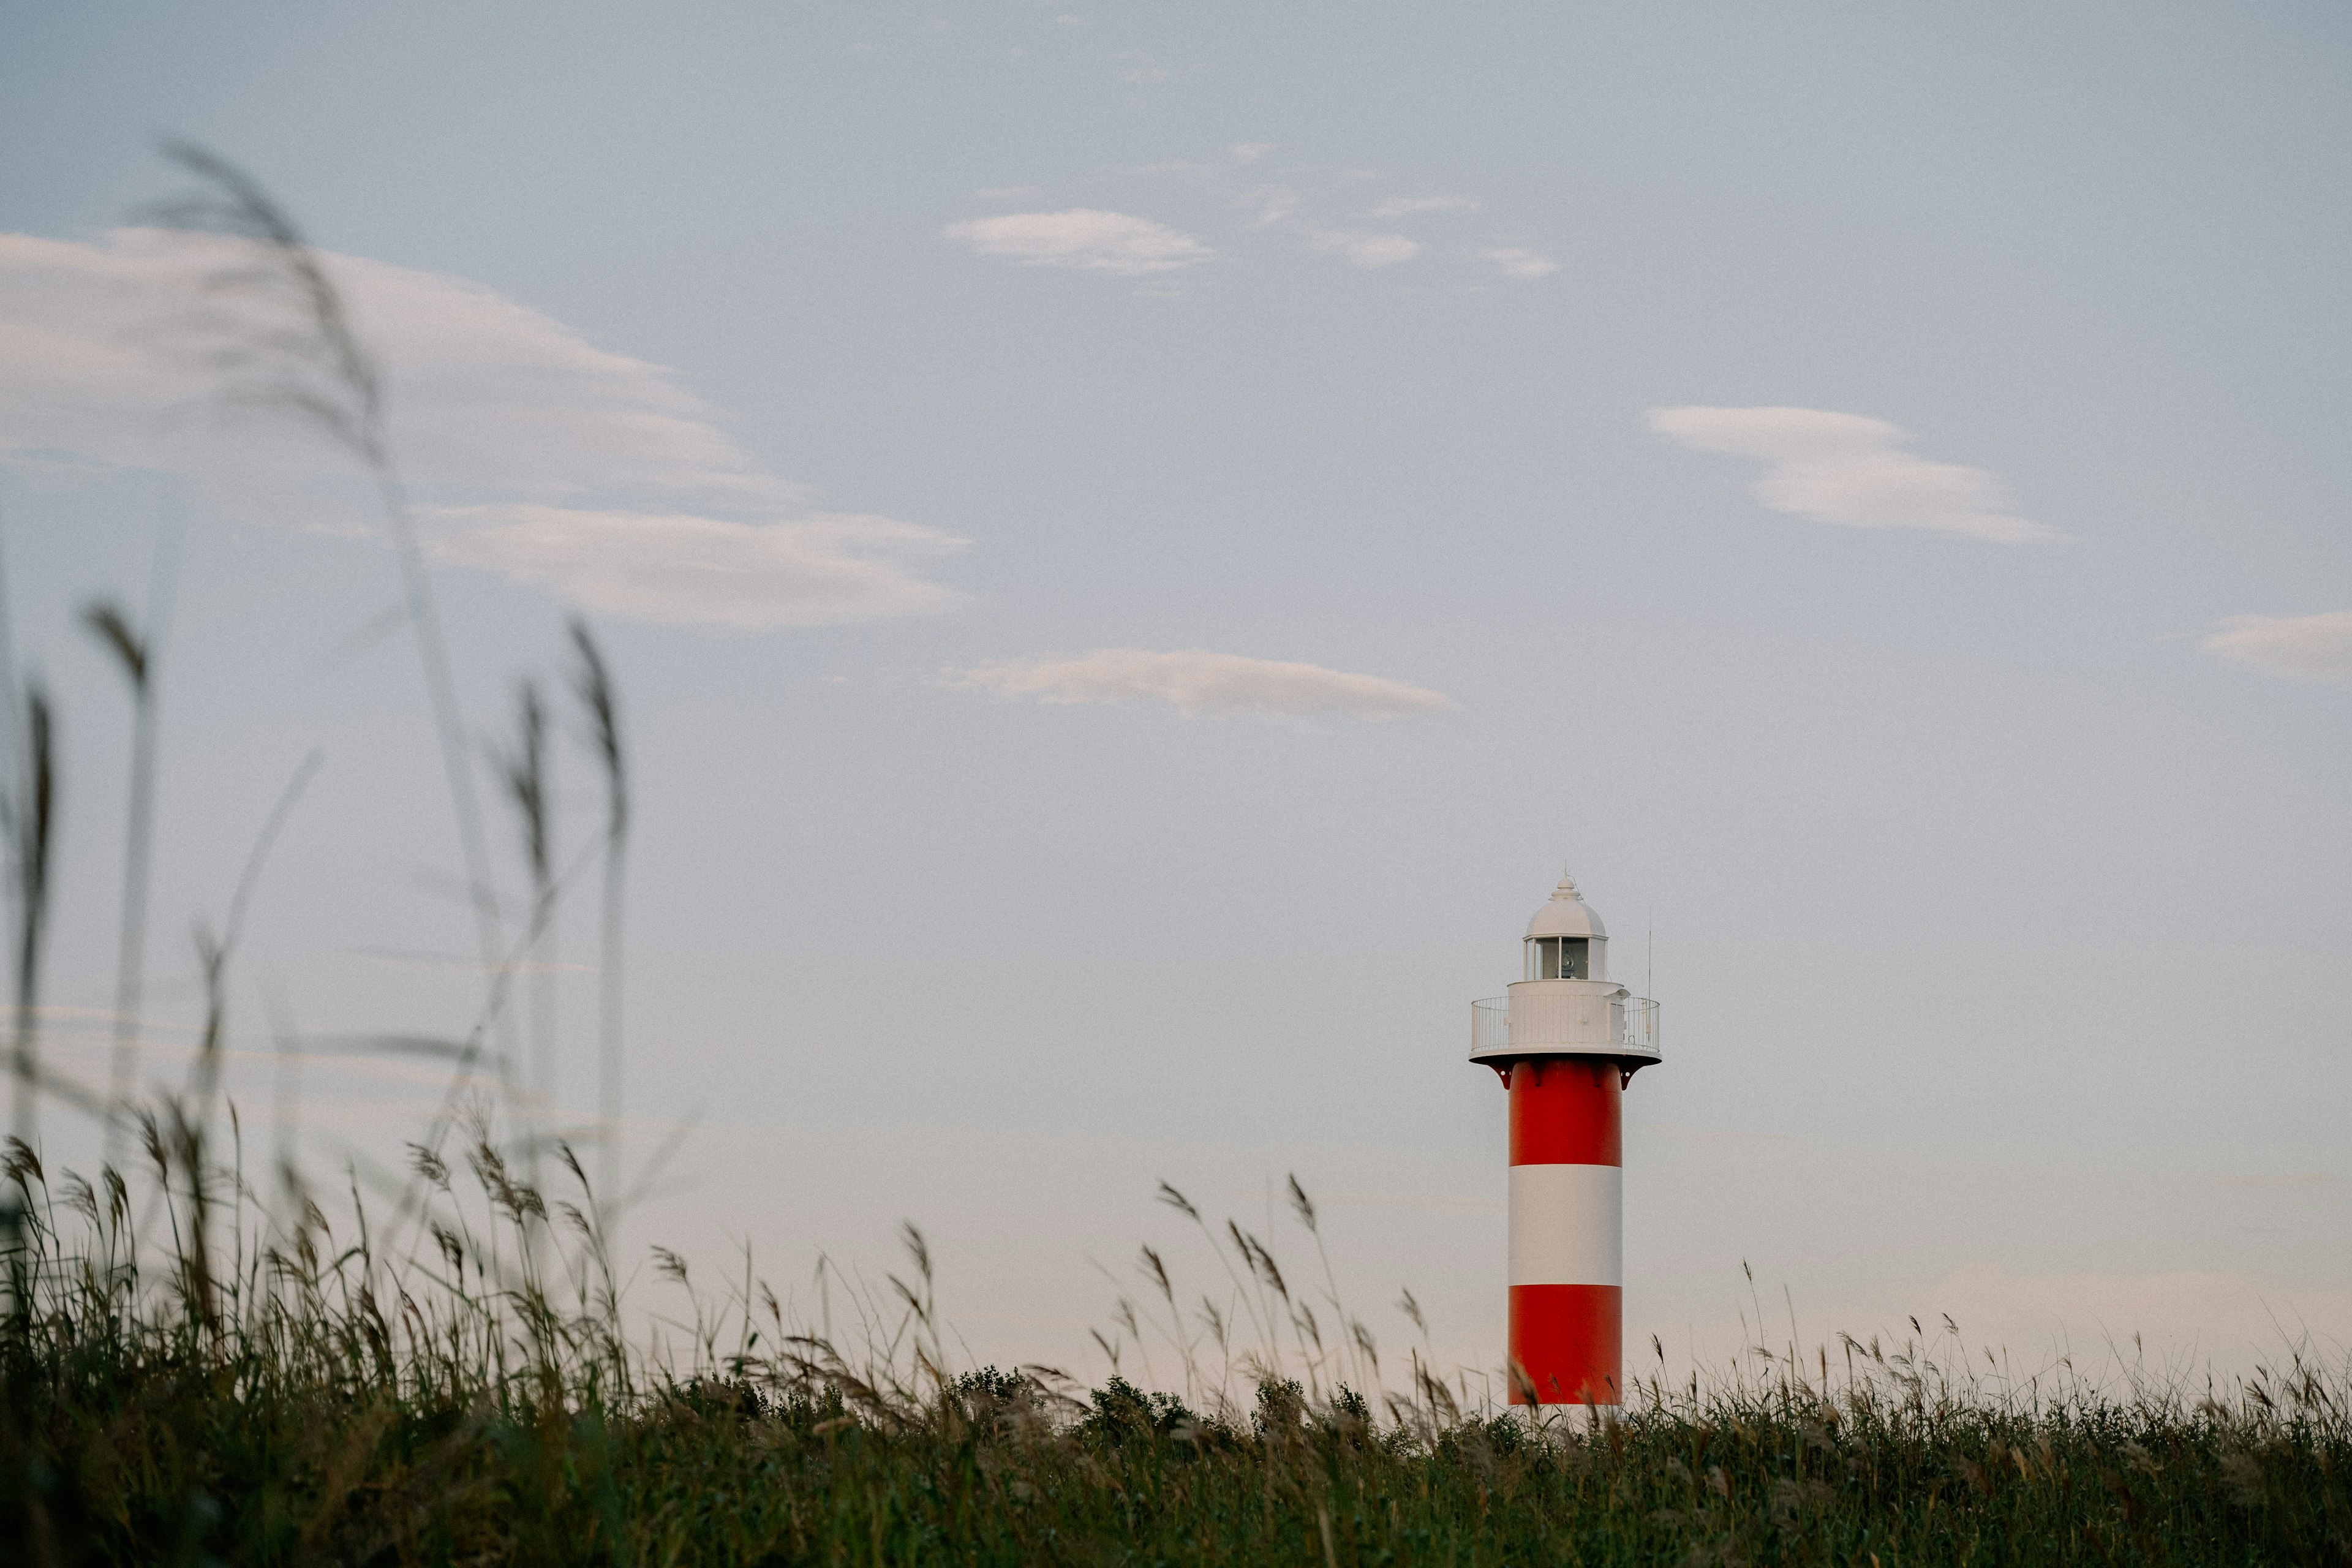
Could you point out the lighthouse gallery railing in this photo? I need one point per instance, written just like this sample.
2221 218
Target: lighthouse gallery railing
1490 1024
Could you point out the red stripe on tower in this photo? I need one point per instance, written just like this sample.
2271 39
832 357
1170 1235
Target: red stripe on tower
1568 1269
1567 1042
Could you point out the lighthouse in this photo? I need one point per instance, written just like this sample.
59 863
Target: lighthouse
1565 1042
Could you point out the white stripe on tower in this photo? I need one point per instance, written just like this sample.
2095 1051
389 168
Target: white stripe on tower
1567 1225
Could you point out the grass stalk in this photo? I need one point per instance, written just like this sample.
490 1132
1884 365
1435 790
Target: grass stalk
321 370
600 704
523 770
135 655
31 820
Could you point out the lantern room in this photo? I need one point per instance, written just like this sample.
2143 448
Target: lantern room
1565 940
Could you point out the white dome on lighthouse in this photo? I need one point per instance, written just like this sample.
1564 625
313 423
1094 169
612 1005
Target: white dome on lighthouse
1567 914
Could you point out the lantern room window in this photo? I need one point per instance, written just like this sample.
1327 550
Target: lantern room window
1559 958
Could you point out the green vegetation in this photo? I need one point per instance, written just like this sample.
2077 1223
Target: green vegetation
310 1399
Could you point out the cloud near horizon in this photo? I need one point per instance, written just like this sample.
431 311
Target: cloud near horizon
2313 648
533 453
1198 683
1083 239
1851 470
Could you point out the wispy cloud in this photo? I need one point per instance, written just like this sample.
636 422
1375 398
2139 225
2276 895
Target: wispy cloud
1269 207
1408 207
534 453
1518 261
1361 249
2317 649
1851 470
682 569
1085 239
1198 683
1277 207
1321 210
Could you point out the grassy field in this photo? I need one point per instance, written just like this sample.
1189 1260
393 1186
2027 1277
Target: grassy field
268 1394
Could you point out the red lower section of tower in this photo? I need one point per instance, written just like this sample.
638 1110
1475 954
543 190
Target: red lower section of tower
1568 1343
1567 1318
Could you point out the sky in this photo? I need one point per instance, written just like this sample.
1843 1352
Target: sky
1135 541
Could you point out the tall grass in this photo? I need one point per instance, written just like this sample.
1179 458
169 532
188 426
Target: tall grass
300 1394
599 703
288 345
523 772
135 654
29 815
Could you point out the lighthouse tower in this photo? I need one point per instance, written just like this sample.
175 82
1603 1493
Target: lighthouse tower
1565 1042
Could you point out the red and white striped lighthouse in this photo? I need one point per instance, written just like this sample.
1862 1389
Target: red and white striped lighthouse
1565 1042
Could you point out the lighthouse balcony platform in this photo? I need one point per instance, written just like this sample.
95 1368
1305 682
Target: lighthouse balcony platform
1565 1018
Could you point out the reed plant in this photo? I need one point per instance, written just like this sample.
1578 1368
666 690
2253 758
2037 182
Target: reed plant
112 627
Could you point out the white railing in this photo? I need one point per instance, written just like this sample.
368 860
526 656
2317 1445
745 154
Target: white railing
1634 1020
1641 1024
1490 1025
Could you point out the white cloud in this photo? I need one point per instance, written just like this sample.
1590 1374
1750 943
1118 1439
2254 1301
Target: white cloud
682 569
505 423
1213 683
1365 251
1273 205
1518 261
1406 207
1278 207
1086 239
1849 469
2316 648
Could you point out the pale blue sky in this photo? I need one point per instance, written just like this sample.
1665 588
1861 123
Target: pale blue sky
1953 846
